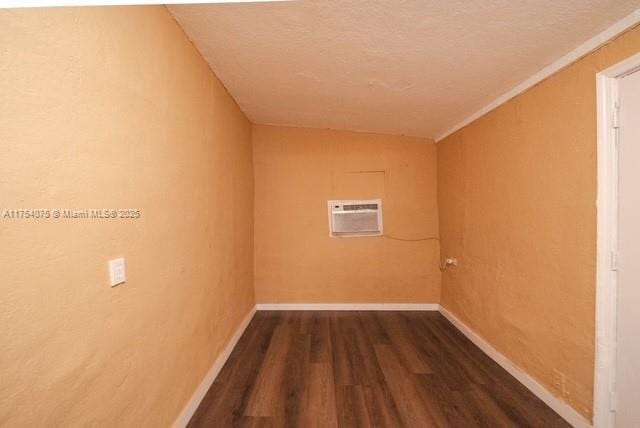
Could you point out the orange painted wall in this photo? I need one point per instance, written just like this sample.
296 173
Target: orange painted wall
296 171
115 108
517 200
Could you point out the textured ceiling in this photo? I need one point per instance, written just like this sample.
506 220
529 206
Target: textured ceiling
412 67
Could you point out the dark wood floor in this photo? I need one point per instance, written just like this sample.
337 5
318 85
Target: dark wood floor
381 369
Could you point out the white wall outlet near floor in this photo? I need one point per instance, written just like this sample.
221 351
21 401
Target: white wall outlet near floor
117 274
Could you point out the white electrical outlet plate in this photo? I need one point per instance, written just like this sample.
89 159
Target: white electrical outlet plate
117 274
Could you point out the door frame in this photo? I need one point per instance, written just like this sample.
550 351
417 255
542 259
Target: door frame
607 83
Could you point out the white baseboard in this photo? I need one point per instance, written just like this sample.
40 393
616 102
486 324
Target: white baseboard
347 306
567 412
193 403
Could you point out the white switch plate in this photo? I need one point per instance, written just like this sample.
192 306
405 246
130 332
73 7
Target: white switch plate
117 274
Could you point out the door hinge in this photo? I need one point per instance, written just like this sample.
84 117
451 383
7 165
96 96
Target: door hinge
614 260
615 122
613 401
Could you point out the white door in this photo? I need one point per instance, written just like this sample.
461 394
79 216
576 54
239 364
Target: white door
628 311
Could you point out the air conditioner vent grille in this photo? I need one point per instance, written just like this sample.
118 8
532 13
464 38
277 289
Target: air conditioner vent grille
355 218
358 207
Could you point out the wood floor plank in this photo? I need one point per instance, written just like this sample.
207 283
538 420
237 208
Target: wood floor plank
369 373
471 367
320 331
225 401
438 357
266 392
295 383
255 422
431 400
403 343
369 369
373 328
449 402
485 409
346 358
320 408
508 392
413 411
381 406
260 324
353 407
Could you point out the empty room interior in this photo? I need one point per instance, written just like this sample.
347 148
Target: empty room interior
320 213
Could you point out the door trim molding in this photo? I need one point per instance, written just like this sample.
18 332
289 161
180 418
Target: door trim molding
607 239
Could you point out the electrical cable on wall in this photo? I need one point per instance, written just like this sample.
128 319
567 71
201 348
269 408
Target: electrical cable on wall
364 218
447 262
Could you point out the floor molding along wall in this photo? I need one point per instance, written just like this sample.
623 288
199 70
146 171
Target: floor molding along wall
193 403
562 408
567 412
347 306
590 45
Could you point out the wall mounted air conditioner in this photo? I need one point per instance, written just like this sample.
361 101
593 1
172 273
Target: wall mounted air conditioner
355 218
